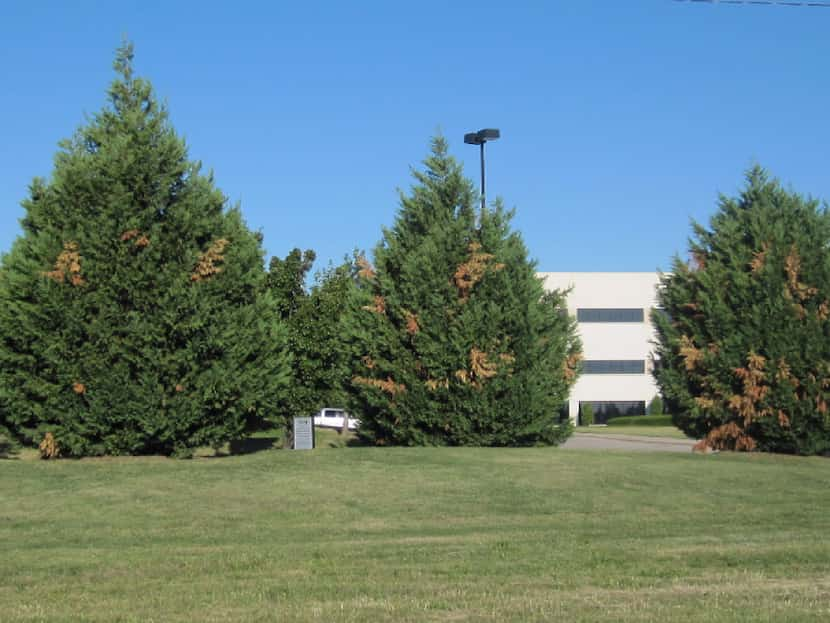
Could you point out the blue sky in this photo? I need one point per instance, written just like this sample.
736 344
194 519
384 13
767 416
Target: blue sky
621 119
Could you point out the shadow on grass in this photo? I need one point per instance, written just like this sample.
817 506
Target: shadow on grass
357 442
250 445
8 450
324 438
333 438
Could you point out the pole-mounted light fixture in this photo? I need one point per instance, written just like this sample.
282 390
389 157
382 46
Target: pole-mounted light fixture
480 138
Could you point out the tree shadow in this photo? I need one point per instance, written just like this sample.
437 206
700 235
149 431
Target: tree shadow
357 442
262 443
7 449
250 445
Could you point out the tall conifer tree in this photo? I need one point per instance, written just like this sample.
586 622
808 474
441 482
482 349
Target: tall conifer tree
131 319
744 330
455 340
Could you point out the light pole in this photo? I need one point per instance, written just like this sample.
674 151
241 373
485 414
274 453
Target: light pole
479 138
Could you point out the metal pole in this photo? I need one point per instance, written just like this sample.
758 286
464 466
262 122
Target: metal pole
482 178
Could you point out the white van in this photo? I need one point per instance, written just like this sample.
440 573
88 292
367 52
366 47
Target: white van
333 418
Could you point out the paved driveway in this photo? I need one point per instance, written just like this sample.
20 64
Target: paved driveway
588 441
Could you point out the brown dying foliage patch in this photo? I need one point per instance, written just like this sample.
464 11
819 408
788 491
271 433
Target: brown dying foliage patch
141 240
797 291
49 447
67 265
747 405
435 384
378 307
463 376
412 326
690 353
206 267
366 270
480 365
728 437
388 386
79 388
753 378
481 369
704 402
368 362
571 365
759 258
784 373
471 272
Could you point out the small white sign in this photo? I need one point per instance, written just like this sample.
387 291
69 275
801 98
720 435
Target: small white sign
303 433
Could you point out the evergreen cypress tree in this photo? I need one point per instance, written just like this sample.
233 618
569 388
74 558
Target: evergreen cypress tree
131 319
454 338
743 334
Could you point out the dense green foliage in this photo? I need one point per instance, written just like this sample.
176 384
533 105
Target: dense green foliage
655 406
314 319
586 414
744 335
454 338
641 420
286 281
132 318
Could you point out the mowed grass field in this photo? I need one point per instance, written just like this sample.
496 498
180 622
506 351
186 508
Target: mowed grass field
426 534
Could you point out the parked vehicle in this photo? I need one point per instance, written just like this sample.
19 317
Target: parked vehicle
330 417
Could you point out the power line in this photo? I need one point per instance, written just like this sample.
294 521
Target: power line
818 5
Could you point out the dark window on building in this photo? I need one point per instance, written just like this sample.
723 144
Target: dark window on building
608 410
564 413
611 366
610 315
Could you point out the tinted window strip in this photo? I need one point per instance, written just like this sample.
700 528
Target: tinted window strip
609 366
610 315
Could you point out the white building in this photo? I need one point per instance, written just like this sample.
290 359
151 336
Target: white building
613 315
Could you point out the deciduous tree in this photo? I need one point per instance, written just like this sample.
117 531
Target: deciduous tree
315 332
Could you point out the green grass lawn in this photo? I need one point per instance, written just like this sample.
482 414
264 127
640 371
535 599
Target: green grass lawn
427 534
639 431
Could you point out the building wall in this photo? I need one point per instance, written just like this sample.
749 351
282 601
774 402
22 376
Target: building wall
611 341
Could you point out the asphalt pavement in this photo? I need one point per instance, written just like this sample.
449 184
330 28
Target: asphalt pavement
589 441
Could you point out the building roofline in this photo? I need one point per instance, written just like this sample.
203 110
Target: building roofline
599 272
